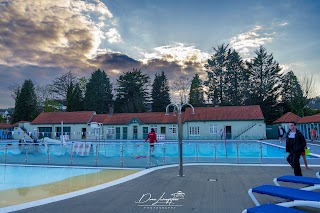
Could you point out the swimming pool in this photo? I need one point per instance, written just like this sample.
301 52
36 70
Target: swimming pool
26 176
137 154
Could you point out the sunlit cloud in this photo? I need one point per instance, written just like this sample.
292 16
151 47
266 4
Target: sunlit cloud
246 42
179 53
113 36
53 33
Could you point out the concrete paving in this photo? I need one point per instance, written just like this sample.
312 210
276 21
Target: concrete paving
204 188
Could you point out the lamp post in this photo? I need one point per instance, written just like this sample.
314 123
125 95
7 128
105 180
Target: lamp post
178 107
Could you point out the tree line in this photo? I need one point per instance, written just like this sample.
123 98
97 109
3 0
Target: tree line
229 81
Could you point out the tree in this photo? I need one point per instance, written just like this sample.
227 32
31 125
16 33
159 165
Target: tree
181 86
50 105
291 94
98 96
26 103
160 93
308 87
265 84
236 80
132 92
216 73
196 97
74 99
61 85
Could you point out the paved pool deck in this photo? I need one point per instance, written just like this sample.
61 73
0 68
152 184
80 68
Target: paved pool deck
205 188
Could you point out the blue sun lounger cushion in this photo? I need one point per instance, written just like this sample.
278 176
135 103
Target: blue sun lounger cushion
313 183
272 208
297 197
299 179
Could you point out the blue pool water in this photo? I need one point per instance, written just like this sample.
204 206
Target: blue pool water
22 176
218 149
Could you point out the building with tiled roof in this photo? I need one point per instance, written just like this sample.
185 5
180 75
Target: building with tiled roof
6 130
304 124
286 118
307 123
237 122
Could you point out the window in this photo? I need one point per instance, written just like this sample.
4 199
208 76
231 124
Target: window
194 130
173 129
154 127
213 129
110 133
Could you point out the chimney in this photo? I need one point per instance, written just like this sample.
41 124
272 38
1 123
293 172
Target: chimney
110 110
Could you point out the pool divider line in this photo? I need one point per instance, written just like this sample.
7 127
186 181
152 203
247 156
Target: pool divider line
119 181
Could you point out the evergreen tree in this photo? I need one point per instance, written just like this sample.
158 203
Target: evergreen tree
160 93
265 83
291 94
216 73
196 97
98 95
74 99
62 84
132 92
236 80
26 103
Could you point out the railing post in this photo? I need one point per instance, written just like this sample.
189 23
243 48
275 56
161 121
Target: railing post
71 156
197 157
97 154
149 156
215 151
260 152
48 153
122 155
26 148
6 154
164 154
237 152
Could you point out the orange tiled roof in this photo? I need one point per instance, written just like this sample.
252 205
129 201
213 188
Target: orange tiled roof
124 118
310 119
66 117
286 118
224 113
201 114
6 126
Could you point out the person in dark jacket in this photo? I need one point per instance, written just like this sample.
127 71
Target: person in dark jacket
295 145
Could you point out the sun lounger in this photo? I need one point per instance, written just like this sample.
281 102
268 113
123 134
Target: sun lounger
296 197
272 208
314 183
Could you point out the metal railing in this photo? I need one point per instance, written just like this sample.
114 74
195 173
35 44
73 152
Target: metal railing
137 154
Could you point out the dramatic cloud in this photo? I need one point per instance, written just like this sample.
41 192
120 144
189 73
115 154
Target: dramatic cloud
52 33
244 43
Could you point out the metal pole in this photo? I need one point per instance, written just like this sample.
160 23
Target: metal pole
179 108
180 144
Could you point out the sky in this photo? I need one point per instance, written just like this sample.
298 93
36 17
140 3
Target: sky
43 39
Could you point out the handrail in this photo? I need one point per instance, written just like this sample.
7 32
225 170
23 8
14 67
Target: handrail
133 154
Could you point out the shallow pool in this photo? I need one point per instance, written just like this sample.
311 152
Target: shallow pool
26 176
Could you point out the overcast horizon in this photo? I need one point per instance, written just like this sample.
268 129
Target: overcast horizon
41 40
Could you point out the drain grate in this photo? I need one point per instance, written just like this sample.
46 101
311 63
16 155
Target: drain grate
213 180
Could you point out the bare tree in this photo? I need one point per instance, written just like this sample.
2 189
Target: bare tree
15 90
181 87
61 85
308 86
43 93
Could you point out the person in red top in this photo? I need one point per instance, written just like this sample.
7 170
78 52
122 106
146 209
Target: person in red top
152 136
